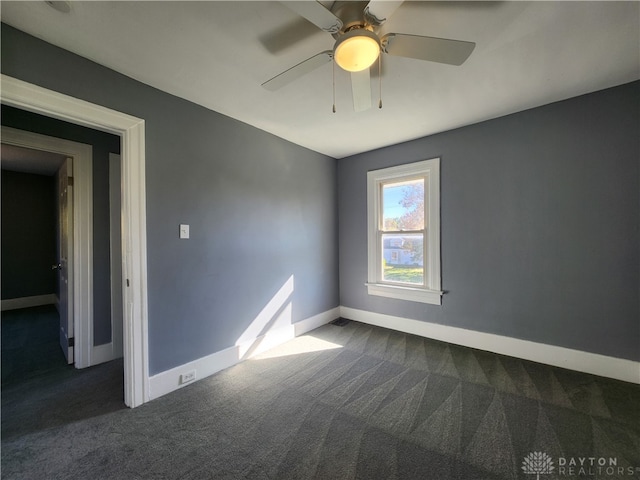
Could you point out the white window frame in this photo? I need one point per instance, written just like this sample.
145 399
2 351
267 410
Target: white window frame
431 291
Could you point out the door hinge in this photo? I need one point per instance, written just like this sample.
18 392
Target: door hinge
70 181
71 342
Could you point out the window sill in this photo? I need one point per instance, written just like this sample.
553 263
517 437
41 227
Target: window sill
433 297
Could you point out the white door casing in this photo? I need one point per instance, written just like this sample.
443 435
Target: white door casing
26 96
115 207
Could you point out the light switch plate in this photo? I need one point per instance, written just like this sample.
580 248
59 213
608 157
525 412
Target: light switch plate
184 231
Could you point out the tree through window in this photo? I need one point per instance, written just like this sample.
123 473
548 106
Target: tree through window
403 231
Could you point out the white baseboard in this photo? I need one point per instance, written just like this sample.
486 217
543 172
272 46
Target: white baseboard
170 380
26 302
103 353
316 321
621 369
593 363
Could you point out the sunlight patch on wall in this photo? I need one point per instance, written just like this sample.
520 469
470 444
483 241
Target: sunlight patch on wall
272 326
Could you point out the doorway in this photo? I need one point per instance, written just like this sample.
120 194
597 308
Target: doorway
46 102
89 275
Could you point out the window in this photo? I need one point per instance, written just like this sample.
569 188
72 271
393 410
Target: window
403 206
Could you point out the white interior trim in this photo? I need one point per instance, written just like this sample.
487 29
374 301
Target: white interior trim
81 273
593 363
429 170
26 302
311 323
421 295
102 353
115 249
169 380
20 94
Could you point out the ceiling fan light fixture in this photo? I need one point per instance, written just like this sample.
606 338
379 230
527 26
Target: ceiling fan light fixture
356 50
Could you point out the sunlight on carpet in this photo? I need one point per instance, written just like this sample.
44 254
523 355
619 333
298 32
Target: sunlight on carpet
300 345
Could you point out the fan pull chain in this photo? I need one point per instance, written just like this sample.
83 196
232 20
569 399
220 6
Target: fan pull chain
333 75
380 80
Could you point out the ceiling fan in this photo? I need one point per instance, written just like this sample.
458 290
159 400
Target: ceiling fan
355 27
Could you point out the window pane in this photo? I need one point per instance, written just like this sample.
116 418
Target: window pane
402 258
403 205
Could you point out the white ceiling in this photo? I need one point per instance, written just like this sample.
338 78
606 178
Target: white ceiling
217 54
28 160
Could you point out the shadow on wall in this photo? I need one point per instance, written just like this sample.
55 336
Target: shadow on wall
272 326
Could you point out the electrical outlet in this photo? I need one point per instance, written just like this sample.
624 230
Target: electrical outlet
188 377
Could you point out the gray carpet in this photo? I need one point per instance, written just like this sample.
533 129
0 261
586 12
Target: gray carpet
341 402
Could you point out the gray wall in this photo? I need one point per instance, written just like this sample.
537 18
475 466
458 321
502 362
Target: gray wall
260 209
540 222
540 217
28 235
102 143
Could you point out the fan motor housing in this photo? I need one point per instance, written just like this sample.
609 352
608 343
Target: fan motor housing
351 14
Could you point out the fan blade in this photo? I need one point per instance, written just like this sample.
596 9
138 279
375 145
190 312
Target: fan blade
378 11
361 90
298 71
286 36
316 14
441 50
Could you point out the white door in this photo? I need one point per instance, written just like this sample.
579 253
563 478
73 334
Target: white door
65 257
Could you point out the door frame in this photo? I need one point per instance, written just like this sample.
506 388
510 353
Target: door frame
21 94
114 349
81 273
